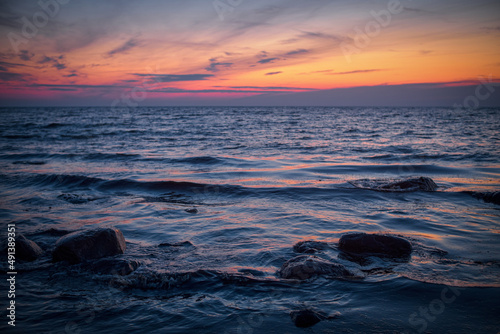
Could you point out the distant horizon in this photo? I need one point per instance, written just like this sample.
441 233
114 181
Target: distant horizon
423 95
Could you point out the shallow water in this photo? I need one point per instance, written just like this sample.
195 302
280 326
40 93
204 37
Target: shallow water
261 180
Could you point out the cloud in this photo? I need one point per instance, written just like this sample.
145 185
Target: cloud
128 45
267 60
417 10
173 90
8 17
64 89
296 52
270 87
311 35
76 86
26 55
54 61
5 75
6 65
492 29
70 75
425 52
274 73
263 54
174 77
8 76
320 35
213 65
356 72
60 66
322 71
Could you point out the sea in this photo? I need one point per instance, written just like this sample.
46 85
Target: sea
211 201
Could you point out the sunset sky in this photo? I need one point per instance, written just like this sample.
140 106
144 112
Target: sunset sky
244 52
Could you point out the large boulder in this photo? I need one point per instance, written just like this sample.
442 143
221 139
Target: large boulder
306 266
90 244
27 250
375 245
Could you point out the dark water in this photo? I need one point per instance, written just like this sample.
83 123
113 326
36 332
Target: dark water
261 180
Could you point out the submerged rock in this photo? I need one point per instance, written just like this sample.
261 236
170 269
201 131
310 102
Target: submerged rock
87 245
310 246
27 250
305 318
177 244
306 266
113 266
375 244
408 185
489 197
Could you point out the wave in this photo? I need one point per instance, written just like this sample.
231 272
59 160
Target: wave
33 162
24 136
194 279
204 160
450 157
119 156
75 182
57 125
19 158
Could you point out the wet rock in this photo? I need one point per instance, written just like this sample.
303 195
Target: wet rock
27 250
113 266
489 197
90 244
306 266
408 185
310 246
421 183
375 245
305 318
176 244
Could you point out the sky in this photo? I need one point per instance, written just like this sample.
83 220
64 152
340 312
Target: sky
249 52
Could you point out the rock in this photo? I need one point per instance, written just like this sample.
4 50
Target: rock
310 246
306 266
305 318
177 244
113 266
421 183
375 244
489 197
27 250
408 185
90 244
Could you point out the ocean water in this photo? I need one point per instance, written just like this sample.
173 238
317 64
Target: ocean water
260 180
